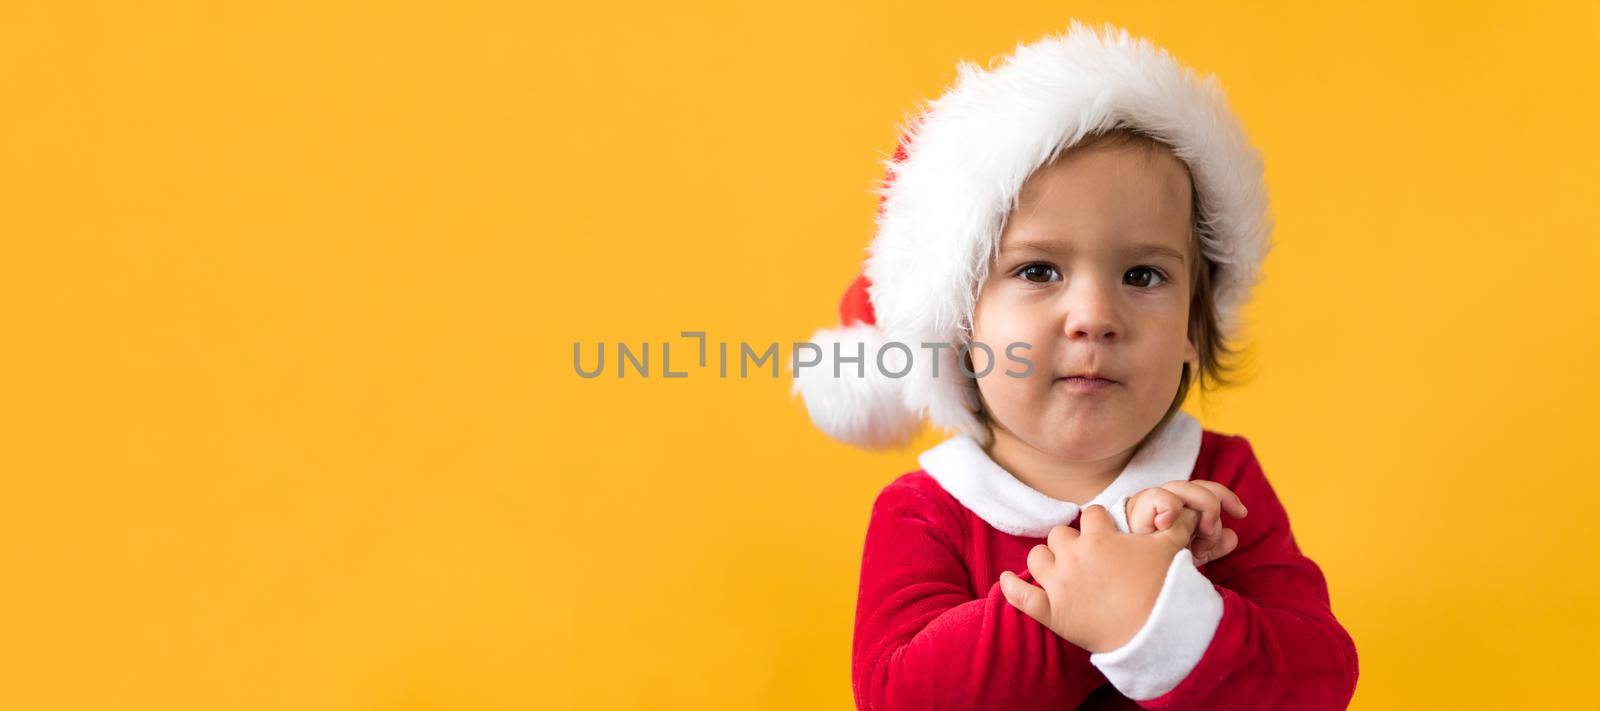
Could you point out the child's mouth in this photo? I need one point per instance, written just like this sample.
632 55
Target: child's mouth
1086 386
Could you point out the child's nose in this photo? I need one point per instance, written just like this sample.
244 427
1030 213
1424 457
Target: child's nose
1091 313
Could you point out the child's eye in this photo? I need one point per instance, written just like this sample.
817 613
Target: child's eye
1039 273
1148 270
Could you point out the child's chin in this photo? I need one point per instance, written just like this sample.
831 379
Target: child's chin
1080 441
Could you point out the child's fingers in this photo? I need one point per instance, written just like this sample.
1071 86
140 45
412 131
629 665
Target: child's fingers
1230 500
1200 499
1041 561
1060 536
1230 541
1183 527
1154 509
1096 518
1204 553
1207 543
1028 598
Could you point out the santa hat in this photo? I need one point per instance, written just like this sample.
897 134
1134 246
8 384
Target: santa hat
956 174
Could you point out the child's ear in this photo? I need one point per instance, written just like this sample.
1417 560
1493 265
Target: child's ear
1191 353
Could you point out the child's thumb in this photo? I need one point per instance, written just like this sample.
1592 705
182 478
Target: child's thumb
1182 530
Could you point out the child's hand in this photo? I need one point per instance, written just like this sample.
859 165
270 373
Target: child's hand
1100 584
1155 508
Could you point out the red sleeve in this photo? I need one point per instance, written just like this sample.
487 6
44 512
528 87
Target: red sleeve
924 640
1278 644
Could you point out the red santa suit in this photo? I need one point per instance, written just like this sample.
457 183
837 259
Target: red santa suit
1252 630
933 631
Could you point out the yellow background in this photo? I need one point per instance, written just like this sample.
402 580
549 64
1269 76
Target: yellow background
290 290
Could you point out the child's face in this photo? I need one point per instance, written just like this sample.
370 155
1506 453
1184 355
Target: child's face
1093 272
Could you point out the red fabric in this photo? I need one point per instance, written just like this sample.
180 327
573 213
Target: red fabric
933 631
856 307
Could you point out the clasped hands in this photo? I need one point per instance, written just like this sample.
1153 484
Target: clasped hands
1097 585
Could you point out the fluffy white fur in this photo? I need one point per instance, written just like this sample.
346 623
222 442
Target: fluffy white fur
863 406
964 469
969 153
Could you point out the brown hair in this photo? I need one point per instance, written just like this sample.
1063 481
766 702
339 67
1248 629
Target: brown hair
1218 359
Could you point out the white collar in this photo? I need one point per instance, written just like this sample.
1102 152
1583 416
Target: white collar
967 472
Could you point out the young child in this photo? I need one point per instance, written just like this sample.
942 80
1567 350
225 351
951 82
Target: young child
1092 211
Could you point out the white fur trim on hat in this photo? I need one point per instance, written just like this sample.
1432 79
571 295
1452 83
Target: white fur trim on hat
857 403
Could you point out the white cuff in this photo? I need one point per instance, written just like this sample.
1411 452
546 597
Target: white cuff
1172 640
